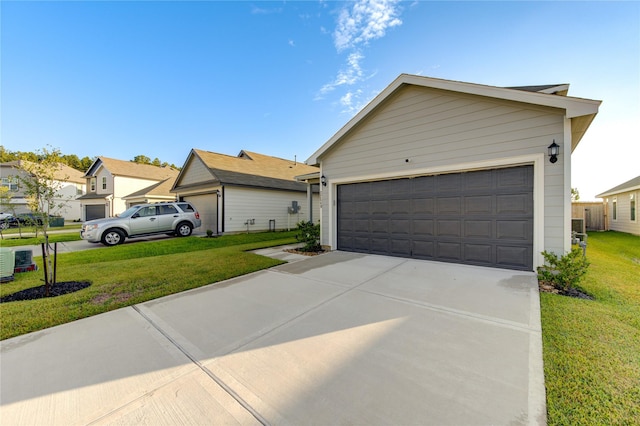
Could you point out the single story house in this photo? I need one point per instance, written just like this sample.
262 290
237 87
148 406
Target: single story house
115 185
454 172
69 182
621 207
248 192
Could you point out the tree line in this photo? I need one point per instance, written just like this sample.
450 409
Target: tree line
72 160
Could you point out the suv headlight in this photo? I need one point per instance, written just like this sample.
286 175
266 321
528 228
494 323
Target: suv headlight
88 228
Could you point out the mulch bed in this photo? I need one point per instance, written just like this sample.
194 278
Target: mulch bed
304 253
39 292
572 292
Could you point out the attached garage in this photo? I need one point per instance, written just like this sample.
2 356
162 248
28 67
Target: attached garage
479 217
95 211
454 172
207 207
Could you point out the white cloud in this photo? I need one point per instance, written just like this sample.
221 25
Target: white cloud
367 20
358 23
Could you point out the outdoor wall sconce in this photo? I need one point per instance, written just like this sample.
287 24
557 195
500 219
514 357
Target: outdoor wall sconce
554 150
323 180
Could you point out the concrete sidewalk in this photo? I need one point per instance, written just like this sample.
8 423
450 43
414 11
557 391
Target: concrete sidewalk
340 338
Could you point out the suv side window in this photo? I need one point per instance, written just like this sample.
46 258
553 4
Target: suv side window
147 211
167 209
186 207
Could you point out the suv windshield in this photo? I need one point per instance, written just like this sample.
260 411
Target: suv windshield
129 212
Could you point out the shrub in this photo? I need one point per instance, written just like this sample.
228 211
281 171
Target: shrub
309 234
563 272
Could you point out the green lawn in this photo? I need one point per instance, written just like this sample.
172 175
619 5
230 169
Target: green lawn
592 348
133 273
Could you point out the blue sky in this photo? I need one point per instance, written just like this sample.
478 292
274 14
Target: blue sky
121 79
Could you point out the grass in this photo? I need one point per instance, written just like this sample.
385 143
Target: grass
30 241
133 273
592 348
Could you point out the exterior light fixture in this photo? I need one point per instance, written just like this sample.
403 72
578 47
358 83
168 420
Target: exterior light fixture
554 150
323 180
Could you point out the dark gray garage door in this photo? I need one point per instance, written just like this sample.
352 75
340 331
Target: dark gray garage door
95 211
480 218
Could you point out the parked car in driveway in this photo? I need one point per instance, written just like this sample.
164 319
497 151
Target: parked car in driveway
7 220
174 218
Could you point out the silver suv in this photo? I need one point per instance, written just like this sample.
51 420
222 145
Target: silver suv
177 218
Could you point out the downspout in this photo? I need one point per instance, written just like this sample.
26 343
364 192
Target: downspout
223 209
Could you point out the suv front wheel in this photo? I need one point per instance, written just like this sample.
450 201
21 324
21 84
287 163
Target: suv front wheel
112 237
184 229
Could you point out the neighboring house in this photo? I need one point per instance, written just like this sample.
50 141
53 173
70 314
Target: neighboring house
115 185
455 172
70 182
249 192
621 209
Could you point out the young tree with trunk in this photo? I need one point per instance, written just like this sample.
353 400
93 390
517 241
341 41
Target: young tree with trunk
40 183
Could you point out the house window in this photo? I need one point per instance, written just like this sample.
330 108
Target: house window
78 189
632 206
93 184
104 183
11 183
615 209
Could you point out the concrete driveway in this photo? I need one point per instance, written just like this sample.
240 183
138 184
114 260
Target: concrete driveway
340 338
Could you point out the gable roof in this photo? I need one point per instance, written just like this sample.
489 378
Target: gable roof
580 111
130 169
251 169
630 185
62 173
157 190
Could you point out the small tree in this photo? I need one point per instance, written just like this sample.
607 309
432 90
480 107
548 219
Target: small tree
575 194
563 272
309 234
40 184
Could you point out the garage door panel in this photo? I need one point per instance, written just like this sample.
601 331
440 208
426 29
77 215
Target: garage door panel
400 247
361 207
513 204
480 217
479 254
449 183
402 207
478 229
449 205
424 206
512 256
449 251
424 186
423 249
423 227
513 230
480 204
514 177
379 245
380 226
448 228
480 181
380 207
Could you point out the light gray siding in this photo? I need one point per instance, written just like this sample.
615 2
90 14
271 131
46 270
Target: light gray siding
623 222
262 205
195 172
419 129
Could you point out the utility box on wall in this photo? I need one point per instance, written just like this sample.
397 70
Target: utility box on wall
294 208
